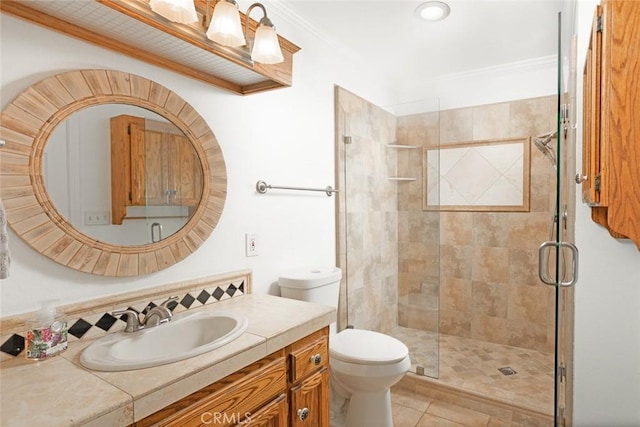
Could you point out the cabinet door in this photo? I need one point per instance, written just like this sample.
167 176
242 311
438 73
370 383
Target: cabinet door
273 414
149 170
185 174
309 401
591 167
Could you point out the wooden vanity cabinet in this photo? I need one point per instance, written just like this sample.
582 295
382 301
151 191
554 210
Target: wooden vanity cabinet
309 381
257 390
152 164
287 388
611 119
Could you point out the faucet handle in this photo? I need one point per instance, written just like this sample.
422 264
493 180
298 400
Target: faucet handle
133 321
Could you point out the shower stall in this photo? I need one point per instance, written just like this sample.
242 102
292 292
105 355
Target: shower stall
440 216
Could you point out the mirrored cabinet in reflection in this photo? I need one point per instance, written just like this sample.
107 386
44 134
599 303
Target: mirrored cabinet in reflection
152 164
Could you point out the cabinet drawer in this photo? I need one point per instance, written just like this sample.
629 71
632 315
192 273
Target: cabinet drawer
309 358
234 398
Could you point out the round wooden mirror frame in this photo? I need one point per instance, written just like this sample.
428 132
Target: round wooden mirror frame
25 126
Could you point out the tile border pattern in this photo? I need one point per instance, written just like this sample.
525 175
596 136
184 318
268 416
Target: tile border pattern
93 319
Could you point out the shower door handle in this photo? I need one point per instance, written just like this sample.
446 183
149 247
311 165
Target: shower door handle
543 275
575 255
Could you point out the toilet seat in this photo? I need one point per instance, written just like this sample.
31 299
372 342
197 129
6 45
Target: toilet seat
366 347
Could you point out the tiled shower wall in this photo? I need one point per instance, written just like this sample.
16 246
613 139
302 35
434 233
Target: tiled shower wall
487 261
367 216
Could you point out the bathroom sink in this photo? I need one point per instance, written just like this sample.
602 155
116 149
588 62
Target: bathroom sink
184 336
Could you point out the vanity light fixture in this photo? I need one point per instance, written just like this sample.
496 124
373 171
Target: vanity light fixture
182 11
225 27
433 11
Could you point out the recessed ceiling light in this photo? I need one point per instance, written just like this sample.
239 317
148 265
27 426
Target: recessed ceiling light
433 11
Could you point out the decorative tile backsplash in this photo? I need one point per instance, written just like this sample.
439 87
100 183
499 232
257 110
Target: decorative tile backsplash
98 324
479 175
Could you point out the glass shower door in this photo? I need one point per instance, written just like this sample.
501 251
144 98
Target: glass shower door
562 272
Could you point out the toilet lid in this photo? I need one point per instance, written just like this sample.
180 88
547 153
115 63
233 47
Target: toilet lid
366 347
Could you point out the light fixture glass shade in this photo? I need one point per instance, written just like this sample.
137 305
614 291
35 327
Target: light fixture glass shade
266 48
182 11
225 27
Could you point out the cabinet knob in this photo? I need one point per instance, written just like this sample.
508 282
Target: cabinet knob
303 413
316 359
580 178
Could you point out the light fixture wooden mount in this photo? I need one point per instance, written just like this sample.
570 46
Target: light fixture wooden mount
131 28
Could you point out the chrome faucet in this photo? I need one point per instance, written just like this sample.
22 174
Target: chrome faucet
154 317
133 321
159 314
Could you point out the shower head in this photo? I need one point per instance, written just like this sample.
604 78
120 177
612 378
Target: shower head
543 144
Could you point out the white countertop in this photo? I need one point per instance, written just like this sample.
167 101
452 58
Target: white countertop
61 392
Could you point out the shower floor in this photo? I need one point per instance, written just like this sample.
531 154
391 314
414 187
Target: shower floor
474 366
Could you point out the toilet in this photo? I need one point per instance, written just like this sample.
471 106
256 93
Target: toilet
364 364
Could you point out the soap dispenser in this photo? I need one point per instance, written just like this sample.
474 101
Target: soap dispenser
47 334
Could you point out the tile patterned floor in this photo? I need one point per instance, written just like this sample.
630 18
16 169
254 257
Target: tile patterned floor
411 410
473 366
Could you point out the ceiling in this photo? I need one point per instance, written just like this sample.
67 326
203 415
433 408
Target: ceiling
478 33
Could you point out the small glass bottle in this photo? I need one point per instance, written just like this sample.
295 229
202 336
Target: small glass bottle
47 334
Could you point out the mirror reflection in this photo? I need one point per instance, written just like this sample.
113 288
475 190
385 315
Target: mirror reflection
122 174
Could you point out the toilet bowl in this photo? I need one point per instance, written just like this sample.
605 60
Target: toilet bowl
364 364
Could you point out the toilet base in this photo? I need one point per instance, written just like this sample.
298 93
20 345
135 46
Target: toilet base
371 409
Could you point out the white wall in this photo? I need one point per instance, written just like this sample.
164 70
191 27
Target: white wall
607 328
283 136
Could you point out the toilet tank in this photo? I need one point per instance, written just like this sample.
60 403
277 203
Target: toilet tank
317 285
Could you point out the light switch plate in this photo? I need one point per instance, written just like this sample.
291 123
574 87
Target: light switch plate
251 244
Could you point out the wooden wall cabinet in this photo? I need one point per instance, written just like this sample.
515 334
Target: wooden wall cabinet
152 164
288 388
611 114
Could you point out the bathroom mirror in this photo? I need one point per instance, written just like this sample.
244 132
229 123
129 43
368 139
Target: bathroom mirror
80 178
27 125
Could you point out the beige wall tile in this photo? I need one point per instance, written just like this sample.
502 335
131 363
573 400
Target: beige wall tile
490 229
491 121
528 230
523 266
455 323
454 261
530 117
490 299
489 264
540 194
529 303
455 228
456 125
526 334
456 294
492 329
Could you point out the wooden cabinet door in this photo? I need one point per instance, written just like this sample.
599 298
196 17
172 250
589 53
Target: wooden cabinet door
308 407
273 414
149 168
185 174
591 111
